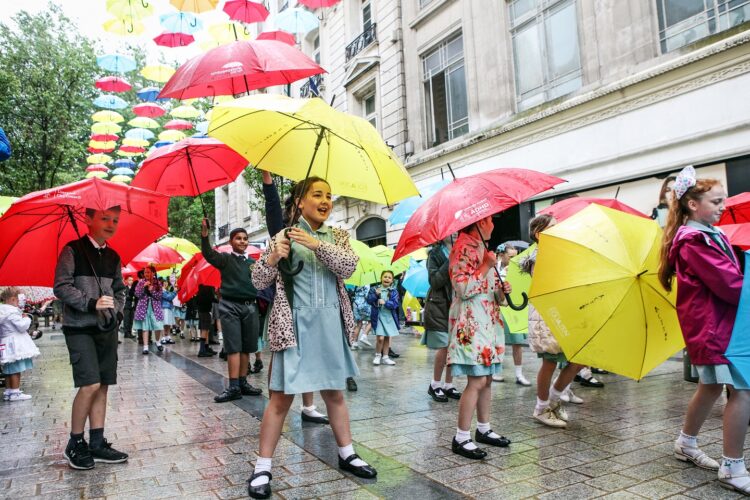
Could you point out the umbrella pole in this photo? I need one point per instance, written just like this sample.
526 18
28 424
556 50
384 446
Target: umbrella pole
195 180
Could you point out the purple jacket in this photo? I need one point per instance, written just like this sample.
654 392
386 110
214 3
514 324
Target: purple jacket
709 283
144 296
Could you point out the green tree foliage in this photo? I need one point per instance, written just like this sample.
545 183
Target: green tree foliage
47 70
185 216
254 179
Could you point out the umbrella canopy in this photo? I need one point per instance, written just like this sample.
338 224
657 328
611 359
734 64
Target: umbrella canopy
143 122
239 67
161 144
110 102
108 128
134 9
171 135
157 73
178 125
38 225
168 39
135 142
416 280
407 207
116 63
106 146
97 168
229 32
297 138
518 321
97 174
113 84
279 36
738 350
181 22
108 116
196 6
318 4
190 167
124 27
737 209
246 11
104 137
121 178
98 158
139 133
469 199
148 94
596 286
158 255
185 111
570 206
296 20
148 110
124 164
123 171
180 244
738 234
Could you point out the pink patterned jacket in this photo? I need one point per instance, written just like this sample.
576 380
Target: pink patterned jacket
338 257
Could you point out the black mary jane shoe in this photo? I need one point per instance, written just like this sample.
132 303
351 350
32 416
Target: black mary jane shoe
363 471
589 382
262 491
315 420
475 454
452 393
502 441
437 394
599 371
351 385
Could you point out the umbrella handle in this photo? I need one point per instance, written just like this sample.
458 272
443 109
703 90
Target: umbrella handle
144 3
194 22
519 307
285 265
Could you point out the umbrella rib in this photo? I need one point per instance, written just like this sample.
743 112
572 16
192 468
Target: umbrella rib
380 180
268 150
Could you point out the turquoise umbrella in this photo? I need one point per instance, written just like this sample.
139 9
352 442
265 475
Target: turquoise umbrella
140 133
123 171
416 280
738 350
407 207
181 22
117 63
110 102
296 20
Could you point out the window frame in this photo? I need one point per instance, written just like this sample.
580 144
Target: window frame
715 16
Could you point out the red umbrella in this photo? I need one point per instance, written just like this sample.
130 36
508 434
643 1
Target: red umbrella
97 168
197 271
190 167
738 234
178 125
174 39
129 271
132 149
113 84
737 209
239 67
467 200
318 4
149 109
279 36
245 11
36 227
104 137
565 208
96 151
159 256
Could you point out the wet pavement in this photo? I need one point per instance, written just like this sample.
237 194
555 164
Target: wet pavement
182 444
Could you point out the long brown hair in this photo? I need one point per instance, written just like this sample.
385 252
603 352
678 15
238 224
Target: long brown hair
539 224
678 216
663 191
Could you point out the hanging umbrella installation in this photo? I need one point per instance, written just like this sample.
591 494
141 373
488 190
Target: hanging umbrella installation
113 84
318 4
246 11
124 164
108 128
296 20
107 116
174 39
110 102
98 174
116 63
148 110
196 6
123 171
178 124
139 133
143 122
134 9
171 135
121 178
124 27
104 137
157 73
97 168
181 22
228 32
185 111
98 158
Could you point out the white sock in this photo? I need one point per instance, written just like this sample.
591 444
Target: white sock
484 428
554 394
541 405
447 386
378 355
519 371
687 440
435 384
261 465
585 373
310 411
347 451
733 466
462 436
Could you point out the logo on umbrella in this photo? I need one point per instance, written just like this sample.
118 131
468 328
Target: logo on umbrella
477 208
62 194
229 69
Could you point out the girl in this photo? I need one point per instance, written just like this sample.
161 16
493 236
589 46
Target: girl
17 346
168 294
548 409
384 303
148 314
477 343
308 326
709 282
362 313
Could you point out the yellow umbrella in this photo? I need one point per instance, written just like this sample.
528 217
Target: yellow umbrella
127 154
121 178
157 73
368 267
518 321
102 144
171 135
181 245
5 203
194 5
124 26
139 143
230 31
107 116
596 286
100 175
185 111
105 128
135 9
98 158
411 304
143 122
296 138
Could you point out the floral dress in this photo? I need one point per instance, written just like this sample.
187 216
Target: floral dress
477 340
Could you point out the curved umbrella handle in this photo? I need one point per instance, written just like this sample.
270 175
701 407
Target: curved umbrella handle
517 307
194 22
131 28
285 265
144 3
247 33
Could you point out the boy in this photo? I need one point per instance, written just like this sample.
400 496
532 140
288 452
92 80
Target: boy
88 281
238 311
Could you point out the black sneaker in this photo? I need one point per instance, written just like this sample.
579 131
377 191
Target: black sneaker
229 394
351 385
248 390
205 354
108 455
78 455
393 354
257 366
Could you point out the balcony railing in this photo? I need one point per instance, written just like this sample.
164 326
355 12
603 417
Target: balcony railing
223 231
307 90
363 40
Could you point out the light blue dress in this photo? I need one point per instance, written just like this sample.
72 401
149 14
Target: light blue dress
149 323
387 326
322 358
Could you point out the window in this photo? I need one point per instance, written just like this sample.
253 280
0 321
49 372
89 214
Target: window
366 15
545 50
316 49
446 102
369 111
682 22
372 232
424 3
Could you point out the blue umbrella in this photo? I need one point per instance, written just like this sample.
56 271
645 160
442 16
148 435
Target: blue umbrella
738 350
139 133
180 22
296 20
124 163
110 102
159 144
416 280
406 208
148 94
117 63
123 170
202 127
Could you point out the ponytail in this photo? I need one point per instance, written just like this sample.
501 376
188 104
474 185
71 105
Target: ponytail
677 217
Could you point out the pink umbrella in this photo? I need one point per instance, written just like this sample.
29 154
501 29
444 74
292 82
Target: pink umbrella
246 11
104 137
565 208
178 125
99 150
279 36
132 149
174 39
149 110
160 256
738 234
113 84
318 4
97 168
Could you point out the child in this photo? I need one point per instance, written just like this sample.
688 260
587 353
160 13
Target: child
16 346
362 312
88 280
477 343
709 282
384 303
309 327
149 316
549 396
168 294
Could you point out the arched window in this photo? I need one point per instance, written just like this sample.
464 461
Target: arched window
372 231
